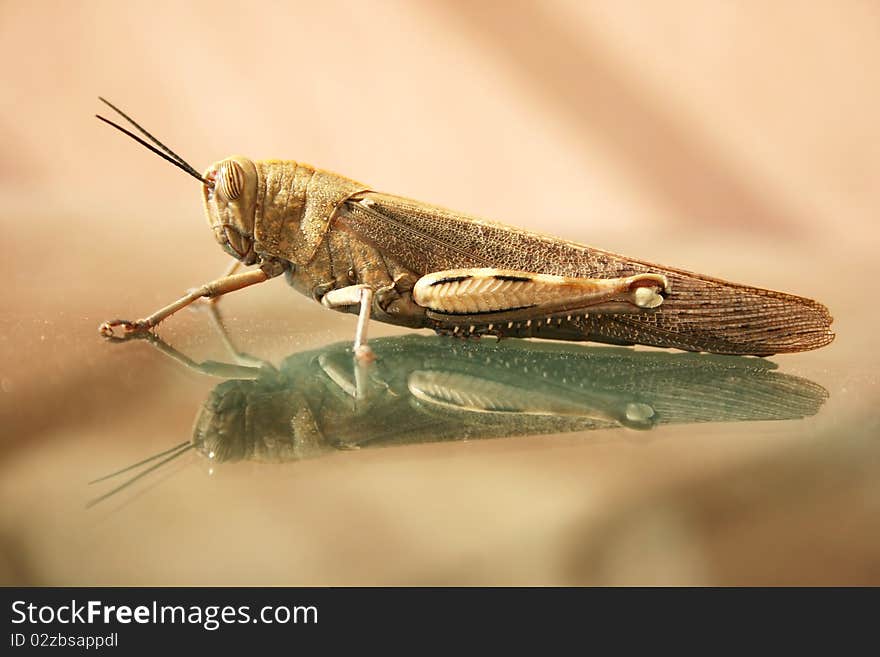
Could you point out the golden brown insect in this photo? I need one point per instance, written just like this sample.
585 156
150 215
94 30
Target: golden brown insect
409 263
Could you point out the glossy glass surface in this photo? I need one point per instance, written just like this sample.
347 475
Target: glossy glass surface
605 465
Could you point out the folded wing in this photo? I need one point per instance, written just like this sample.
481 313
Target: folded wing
701 313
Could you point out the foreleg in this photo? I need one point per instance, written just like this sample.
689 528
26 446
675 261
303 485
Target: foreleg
210 290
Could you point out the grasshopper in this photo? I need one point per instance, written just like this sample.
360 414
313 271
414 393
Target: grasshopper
408 263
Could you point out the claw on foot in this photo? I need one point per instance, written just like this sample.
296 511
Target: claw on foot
129 328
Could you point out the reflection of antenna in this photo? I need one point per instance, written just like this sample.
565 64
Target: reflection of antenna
174 452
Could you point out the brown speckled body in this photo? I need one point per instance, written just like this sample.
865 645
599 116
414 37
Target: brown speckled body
326 232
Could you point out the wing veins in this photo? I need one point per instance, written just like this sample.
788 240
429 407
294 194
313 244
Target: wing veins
351 206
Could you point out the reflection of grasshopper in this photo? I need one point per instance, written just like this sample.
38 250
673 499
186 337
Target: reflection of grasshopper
427 390
409 263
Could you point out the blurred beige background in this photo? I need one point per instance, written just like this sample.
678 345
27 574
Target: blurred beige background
736 139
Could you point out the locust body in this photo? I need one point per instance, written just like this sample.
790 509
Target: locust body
409 263
326 233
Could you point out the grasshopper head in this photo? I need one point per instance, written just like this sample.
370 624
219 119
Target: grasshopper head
229 189
259 420
230 203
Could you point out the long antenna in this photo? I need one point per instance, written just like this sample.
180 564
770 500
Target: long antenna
146 134
180 450
162 151
139 463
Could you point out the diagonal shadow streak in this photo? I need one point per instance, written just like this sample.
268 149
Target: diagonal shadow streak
592 93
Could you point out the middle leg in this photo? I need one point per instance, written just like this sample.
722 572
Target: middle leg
348 296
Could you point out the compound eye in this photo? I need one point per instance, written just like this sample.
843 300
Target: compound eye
230 180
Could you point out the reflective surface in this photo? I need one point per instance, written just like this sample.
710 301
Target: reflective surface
607 465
